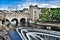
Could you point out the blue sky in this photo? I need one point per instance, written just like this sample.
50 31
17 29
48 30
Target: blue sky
13 4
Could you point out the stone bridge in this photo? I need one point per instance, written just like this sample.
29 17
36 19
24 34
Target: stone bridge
32 14
17 16
13 18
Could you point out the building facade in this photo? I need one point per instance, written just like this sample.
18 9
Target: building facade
31 14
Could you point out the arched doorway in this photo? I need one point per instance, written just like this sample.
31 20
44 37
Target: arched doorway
22 20
14 22
5 22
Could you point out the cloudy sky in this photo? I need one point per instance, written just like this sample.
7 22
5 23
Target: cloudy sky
20 4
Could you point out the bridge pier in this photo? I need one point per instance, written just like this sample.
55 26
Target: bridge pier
26 20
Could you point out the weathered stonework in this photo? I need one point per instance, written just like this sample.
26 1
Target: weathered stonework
32 14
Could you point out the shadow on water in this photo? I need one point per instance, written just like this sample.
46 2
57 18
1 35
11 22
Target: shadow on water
24 24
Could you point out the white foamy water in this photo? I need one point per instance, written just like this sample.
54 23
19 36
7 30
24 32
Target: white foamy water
13 22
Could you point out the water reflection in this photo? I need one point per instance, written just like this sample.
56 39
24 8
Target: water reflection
40 34
24 24
13 23
16 24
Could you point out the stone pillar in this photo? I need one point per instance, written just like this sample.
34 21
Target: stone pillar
26 19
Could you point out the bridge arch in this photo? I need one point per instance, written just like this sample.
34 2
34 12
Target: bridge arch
5 22
23 20
14 21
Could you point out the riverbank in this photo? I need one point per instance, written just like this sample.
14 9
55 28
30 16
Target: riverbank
50 26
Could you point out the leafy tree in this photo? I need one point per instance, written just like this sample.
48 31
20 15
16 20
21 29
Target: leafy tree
56 14
50 15
45 15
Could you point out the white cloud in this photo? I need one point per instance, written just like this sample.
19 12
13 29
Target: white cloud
26 5
13 9
39 5
29 2
3 9
20 7
48 6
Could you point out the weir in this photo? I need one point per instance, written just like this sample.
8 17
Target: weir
37 34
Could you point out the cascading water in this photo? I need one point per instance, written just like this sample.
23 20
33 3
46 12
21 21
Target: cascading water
13 22
37 34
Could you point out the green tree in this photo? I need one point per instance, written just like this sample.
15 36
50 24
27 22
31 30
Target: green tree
50 15
56 14
45 14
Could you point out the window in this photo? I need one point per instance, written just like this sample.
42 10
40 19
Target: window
35 12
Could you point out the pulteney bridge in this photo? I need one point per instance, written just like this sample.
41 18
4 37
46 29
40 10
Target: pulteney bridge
17 16
31 14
